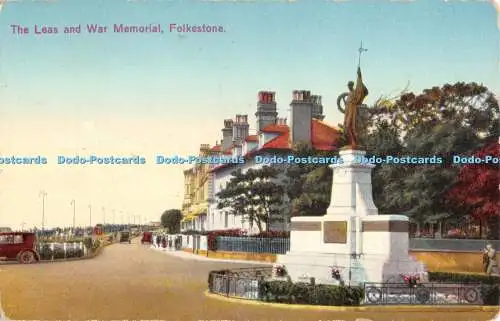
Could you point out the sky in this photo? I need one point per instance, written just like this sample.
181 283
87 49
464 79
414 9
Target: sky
165 94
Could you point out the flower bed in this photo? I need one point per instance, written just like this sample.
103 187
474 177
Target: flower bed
313 294
228 283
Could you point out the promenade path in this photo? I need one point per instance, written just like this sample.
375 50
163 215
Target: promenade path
134 282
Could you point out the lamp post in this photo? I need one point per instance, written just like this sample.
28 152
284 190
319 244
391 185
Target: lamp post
104 215
43 195
73 203
114 222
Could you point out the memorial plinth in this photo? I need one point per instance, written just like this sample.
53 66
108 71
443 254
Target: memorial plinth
351 237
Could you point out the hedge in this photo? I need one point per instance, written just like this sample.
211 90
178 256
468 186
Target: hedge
302 293
312 294
47 254
338 295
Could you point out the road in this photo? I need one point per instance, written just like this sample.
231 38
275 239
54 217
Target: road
134 282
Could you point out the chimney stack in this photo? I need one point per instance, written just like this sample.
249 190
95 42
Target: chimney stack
240 129
204 148
281 121
301 109
266 109
227 134
317 109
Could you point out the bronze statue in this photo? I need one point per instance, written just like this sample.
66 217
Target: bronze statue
352 100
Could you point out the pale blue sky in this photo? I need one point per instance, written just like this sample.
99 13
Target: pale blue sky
167 93
308 44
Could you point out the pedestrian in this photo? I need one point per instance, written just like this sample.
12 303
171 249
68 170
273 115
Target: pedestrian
492 267
486 261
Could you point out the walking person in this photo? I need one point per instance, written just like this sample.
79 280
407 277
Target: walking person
492 267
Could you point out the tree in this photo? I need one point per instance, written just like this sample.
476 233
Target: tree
316 191
470 104
476 189
442 121
171 220
307 185
256 195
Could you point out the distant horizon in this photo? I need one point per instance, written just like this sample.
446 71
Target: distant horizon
143 94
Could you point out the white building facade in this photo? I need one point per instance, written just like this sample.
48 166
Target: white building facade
274 137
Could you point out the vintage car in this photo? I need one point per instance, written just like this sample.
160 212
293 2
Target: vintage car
125 237
147 237
20 246
98 229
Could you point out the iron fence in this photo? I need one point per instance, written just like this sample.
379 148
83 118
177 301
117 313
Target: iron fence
271 245
242 283
251 284
423 244
253 244
232 286
424 293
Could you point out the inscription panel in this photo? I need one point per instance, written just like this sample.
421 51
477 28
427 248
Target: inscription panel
386 226
335 232
306 226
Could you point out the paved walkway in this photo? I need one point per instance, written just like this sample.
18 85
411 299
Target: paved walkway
134 282
191 256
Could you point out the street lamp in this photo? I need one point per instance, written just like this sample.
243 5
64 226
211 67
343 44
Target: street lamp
104 215
114 222
73 202
43 195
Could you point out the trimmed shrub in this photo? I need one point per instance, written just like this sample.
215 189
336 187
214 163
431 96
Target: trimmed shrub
59 252
212 236
96 245
87 242
303 293
490 285
45 252
74 252
273 234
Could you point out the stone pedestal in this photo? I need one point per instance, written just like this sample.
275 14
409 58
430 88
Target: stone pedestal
352 237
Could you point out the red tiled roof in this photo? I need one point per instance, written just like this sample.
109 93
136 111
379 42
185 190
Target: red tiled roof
323 137
282 141
275 128
217 148
252 138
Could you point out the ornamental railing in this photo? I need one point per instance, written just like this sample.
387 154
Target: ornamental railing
423 294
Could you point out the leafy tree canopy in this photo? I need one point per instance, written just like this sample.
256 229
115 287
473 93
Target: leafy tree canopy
442 121
255 194
171 220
